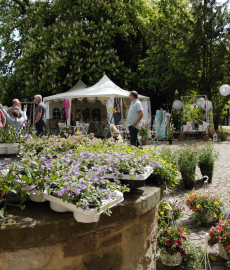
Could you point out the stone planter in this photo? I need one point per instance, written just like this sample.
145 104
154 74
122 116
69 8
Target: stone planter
171 260
8 148
84 216
143 176
223 252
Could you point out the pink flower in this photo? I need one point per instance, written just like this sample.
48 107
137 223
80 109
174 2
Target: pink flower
180 231
183 237
166 233
179 243
225 234
169 243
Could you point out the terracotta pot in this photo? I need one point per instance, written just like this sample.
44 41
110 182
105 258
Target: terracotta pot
143 142
206 138
171 260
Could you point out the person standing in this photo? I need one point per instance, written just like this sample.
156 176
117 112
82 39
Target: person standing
15 120
135 115
40 115
16 107
2 119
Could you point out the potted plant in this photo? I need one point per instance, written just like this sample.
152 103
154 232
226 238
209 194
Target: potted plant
170 135
143 132
170 242
222 135
169 210
187 161
184 124
221 235
200 125
206 160
206 207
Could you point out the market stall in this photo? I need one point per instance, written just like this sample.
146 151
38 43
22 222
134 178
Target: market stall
92 105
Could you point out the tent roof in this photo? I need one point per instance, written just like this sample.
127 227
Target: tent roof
104 88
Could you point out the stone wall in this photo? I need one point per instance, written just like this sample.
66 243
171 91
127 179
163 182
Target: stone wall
44 240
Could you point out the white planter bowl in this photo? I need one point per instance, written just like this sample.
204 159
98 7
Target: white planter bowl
171 260
36 198
184 127
223 252
8 148
84 216
144 176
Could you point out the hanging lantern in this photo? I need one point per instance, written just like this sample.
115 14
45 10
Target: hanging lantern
199 102
215 137
80 98
224 90
207 105
177 105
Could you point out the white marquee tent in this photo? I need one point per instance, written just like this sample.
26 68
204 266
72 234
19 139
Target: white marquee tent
105 88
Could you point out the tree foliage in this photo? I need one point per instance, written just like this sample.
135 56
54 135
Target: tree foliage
62 41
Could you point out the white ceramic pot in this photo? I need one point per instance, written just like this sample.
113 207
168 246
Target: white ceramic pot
223 252
36 198
8 148
143 176
184 127
171 260
201 128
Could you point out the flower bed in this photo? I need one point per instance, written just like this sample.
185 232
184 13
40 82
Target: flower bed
74 169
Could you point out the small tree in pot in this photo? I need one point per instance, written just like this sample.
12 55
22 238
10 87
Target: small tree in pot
143 132
170 132
187 161
206 159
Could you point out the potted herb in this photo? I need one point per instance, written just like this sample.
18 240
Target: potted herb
206 207
169 211
221 235
206 160
187 161
170 135
143 132
170 242
222 135
184 124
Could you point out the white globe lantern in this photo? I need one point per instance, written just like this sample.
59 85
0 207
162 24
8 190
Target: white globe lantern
199 102
207 105
91 99
224 90
177 105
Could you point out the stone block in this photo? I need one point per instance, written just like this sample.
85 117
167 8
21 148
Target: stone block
26 259
79 246
111 241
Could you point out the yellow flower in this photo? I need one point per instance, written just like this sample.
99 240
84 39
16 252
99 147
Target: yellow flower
166 207
216 202
214 215
227 198
162 213
198 205
198 191
213 258
220 216
158 217
78 131
184 212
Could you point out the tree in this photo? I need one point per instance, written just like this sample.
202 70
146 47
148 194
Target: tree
164 72
62 41
209 51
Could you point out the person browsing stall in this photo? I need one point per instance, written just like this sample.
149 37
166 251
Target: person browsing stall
15 120
135 115
16 107
40 115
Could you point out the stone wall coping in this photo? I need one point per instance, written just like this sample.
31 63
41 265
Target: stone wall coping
39 225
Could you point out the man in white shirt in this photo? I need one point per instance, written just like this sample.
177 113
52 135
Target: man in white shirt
134 118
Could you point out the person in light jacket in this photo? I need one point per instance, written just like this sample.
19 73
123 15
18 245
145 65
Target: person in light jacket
15 120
